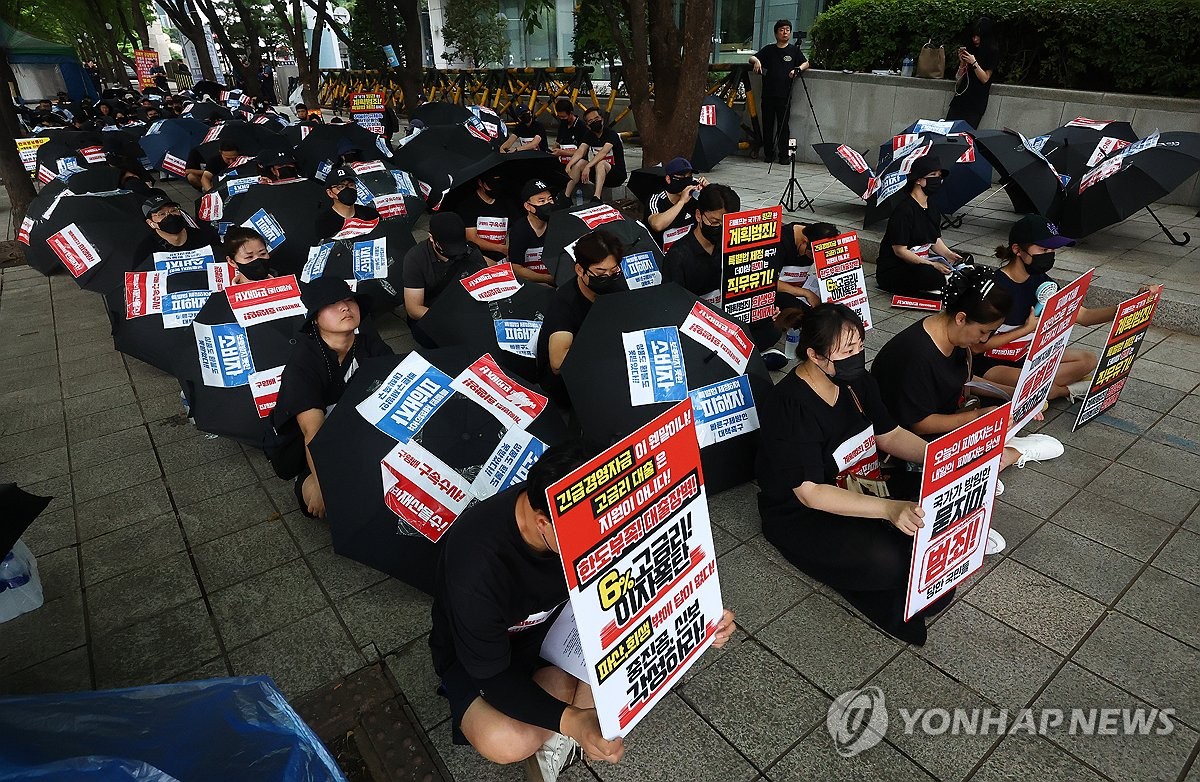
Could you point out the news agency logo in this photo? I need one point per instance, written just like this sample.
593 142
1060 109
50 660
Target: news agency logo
858 720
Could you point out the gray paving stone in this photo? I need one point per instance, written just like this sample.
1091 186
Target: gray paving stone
1082 564
1145 493
115 474
160 406
389 614
1122 757
171 429
829 644
130 548
1116 526
1188 408
1181 556
1076 467
101 450
785 704
98 381
185 455
90 365
59 572
122 508
37 468
1129 417
1176 432
1013 523
213 669
1172 464
1035 493
224 514
673 742
58 488
46 632
1022 757
156 649
33 441
97 401
268 601
211 479
736 511
1165 374
130 597
68 672
1040 608
302 656
341 576
755 588
1150 395
245 553
103 422
15 420
412 666
816 759
51 531
1168 603
309 534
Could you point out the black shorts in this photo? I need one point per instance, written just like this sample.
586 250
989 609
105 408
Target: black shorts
461 690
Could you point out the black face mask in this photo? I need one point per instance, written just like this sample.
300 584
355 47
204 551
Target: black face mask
711 232
254 270
850 368
347 196
172 224
542 212
1040 264
596 126
604 285
933 184
679 185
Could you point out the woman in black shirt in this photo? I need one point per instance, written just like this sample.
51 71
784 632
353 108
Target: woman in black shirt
820 429
973 82
913 259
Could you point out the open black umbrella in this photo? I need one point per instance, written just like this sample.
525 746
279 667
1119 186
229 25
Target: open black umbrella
252 140
444 156
93 179
645 182
1142 173
64 148
1083 143
208 112
323 147
231 368
91 236
718 135
168 142
514 169
645 334
506 325
456 450
847 166
394 193
374 260
440 113
18 509
208 88
567 226
969 175
284 213
1032 182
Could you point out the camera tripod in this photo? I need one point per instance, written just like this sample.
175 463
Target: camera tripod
788 200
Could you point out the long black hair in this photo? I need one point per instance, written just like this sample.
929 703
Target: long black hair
974 292
823 326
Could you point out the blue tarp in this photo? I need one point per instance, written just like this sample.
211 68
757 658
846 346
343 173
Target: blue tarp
219 729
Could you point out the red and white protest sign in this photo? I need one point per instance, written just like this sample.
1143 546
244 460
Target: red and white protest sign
211 207
853 159
708 114
566 152
750 242
45 175
494 282
213 132
390 205
265 387
840 274
220 275
361 168
174 165
74 250
145 61
596 216
259 302
722 336
23 231
510 402
1011 351
633 528
355 227
915 303
1125 338
1099 173
492 229
1105 147
93 154
422 490
1084 122
144 293
958 488
1046 351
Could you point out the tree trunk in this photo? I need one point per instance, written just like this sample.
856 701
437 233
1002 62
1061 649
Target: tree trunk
140 24
311 81
413 52
16 179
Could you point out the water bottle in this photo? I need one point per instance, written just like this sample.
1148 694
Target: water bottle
20 587
13 573
906 67
579 196
791 343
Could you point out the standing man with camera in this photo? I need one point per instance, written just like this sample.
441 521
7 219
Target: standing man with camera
779 63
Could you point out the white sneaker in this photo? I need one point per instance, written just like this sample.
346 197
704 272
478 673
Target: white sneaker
548 762
999 487
995 543
1036 448
1078 390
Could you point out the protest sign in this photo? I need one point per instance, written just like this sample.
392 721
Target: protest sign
180 308
389 52
958 488
487 384
272 299
1125 338
144 293
265 387
423 491
916 303
654 366
179 261
724 410
509 463
407 398
145 61
268 227
518 336
28 147
366 109
1046 351
722 336
640 270
633 529
369 259
74 250
749 244
840 274
225 358
494 282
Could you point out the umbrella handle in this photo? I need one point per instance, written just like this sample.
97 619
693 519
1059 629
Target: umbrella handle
1187 237
952 222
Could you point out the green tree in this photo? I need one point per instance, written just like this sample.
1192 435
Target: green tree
475 32
594 36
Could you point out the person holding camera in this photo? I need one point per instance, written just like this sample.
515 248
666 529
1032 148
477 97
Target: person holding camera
779 63
976 65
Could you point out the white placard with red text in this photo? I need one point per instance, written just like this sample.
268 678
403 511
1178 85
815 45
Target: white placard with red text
265 387
494 282
485 383
259 302
144 293
840 273
721 335
74 250
422 490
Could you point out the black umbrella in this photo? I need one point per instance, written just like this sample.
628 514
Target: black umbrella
567 226
284 213
596 375
398 192
93 179
969 175
459 433
506 326
209 88
209 112
323 146
1082 143
847 166
1032 182
168 142
1141 174
91 236
514 170
718 135
375 260
252 140
439 113
232 367
18 509
645 182
66 145
441 154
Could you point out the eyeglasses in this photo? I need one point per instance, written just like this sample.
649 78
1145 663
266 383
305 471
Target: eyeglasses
705 221
616 272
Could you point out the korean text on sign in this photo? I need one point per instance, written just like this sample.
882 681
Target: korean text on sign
840 274
749 246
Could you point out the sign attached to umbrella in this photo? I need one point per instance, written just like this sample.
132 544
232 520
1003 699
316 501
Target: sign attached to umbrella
1125 338
407 398
840 274
265 387
640 270
494 282
422 490
224 351
726 339
724 410
749 242
74 250
633 528
273 299
654 366
510 402
268 227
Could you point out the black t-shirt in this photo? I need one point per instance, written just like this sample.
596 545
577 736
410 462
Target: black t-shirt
196 238
489 220
525 246
691 267
1025 295
791 266
802 436
973 99
314 380
424 270
683 222
570 132
910 225
526 133
777 65
565 312
608 136
216 164
329 223
916 379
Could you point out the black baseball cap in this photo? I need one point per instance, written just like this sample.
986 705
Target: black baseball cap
533 187
156 202
450 233
323 291
1035 229
341 174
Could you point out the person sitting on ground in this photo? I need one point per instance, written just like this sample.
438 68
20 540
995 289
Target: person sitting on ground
600 159
913 259
277 167
571 129
498 587
171 232
486 217
694 261
301 114
341 186
435 264
1027 257
153 114
821 493
202 174
798 286
246 250
672 211
332 342
526 237
922 372
529 134
597 272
